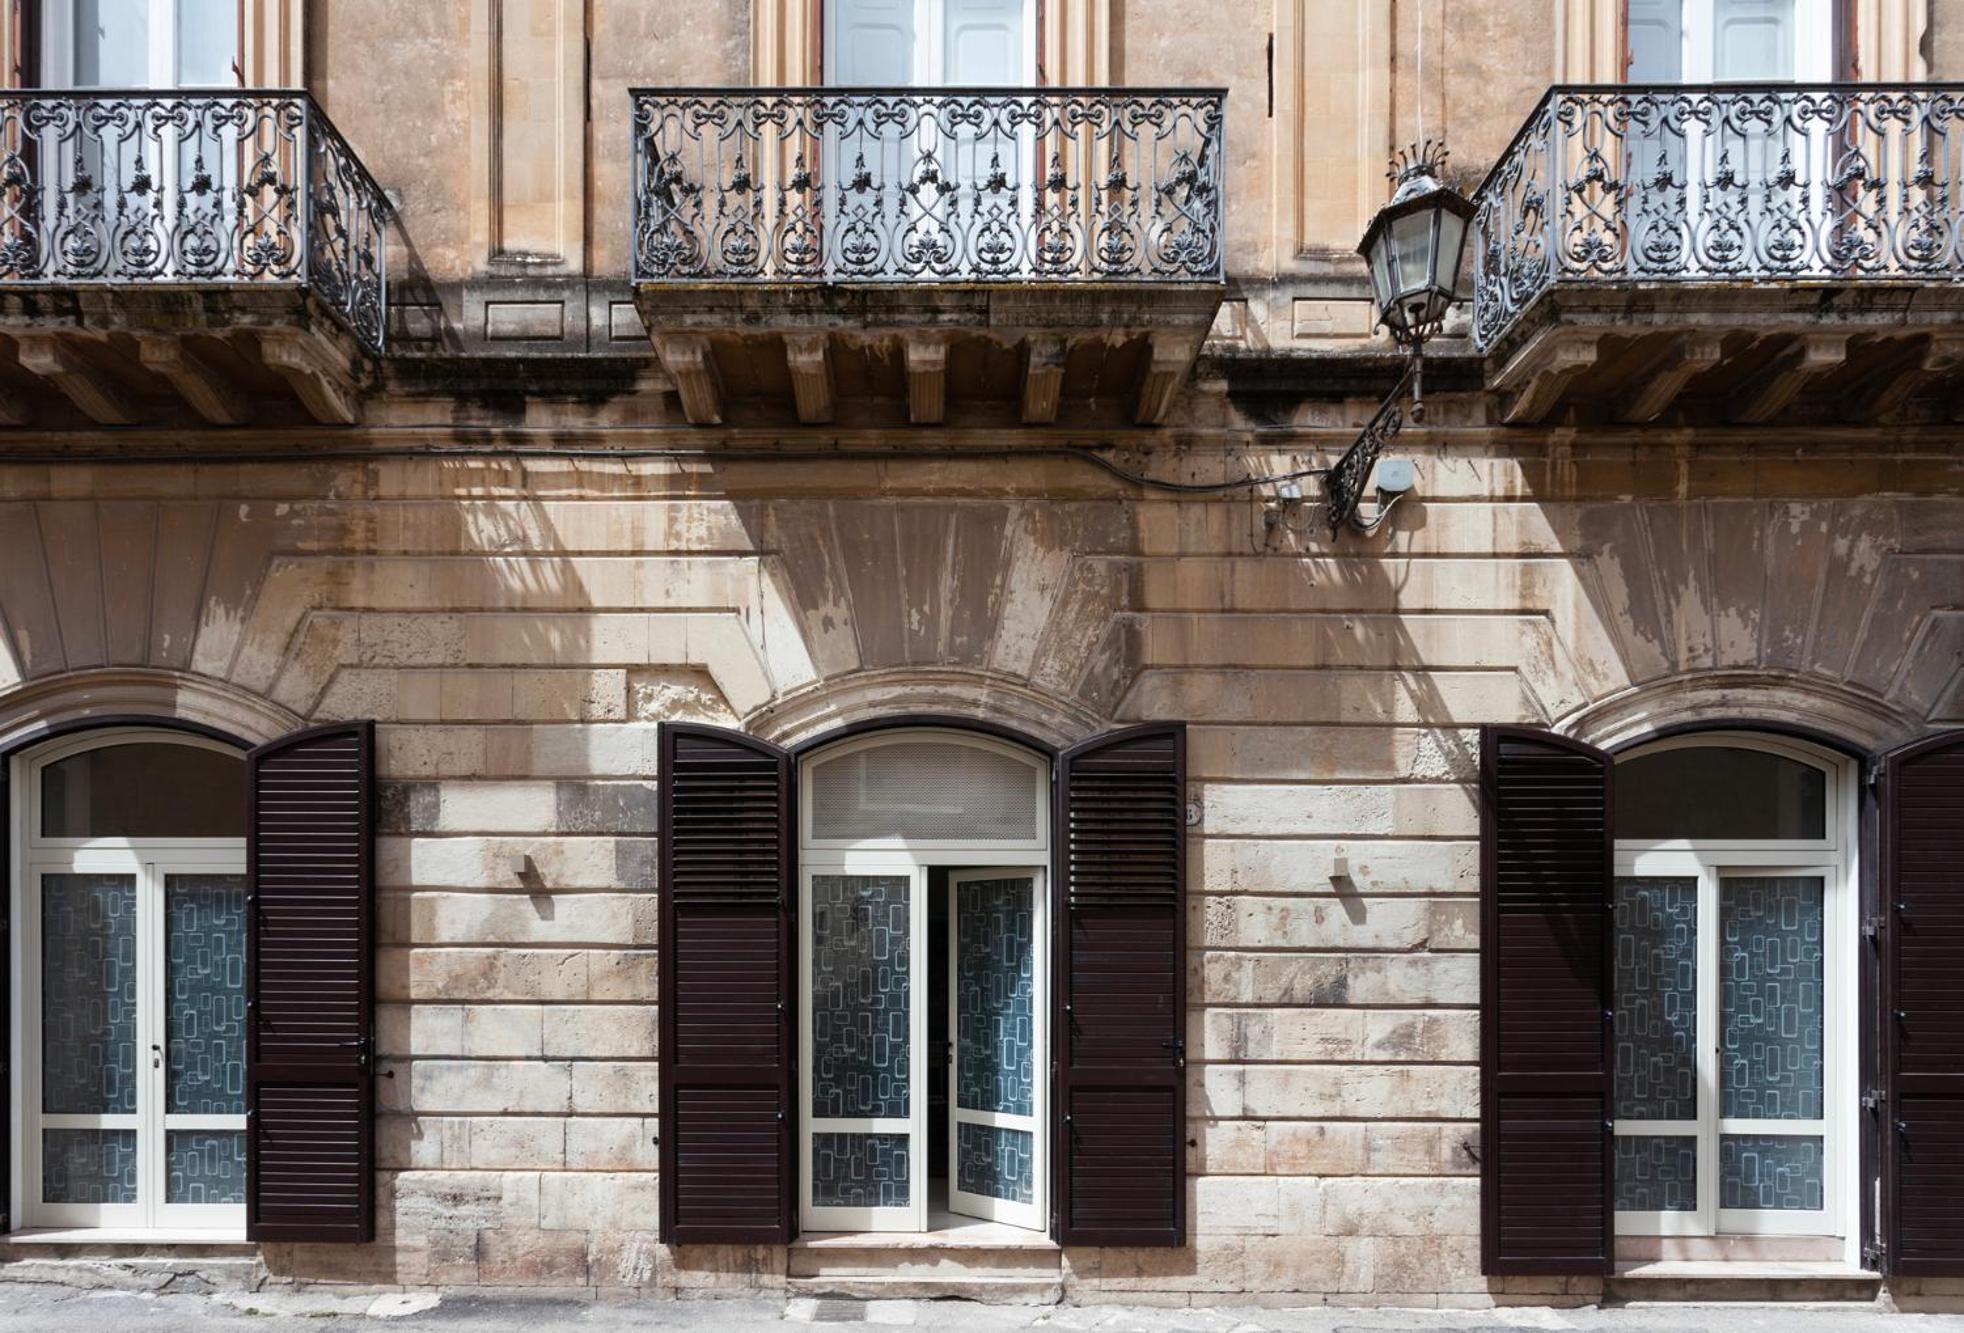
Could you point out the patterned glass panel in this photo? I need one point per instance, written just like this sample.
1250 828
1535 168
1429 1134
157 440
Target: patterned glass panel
1771 1003
1774 1172
995 995
861 958
204 1166
88 1165
1656 998
205 973
995 1163
1656 1173
88 994
860 1170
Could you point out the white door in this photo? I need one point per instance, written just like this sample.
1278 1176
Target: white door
136 1084
862 957
996 1078
150 194
1730 41
141 44
926 195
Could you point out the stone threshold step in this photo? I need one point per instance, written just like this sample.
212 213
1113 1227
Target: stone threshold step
1741 1270
981 1289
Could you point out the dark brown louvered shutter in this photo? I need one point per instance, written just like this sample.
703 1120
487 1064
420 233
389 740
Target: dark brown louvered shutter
1545 987
310 1127
726 970
1121 990
1922 824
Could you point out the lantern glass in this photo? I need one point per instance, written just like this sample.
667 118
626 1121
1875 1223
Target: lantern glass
1414 249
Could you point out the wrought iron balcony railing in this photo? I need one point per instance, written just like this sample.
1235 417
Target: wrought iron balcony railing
216 187
928 185
1731 183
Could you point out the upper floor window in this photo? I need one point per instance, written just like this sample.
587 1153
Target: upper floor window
1731 41
141 44
930 43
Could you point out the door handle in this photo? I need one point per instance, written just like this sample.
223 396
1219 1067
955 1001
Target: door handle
156 1056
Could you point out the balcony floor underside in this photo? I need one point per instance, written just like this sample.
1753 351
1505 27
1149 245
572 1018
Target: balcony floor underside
1733 354
1036 354
168 354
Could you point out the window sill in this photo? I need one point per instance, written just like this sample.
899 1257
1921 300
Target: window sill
126 1236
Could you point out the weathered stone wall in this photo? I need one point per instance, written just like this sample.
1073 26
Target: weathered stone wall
518 628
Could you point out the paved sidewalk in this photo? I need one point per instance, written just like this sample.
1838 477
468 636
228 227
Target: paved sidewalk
52 1309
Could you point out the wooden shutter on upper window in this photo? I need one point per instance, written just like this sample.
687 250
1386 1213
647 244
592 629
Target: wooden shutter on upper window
1545 987
1922 827
727 819
1120 1019
310 1123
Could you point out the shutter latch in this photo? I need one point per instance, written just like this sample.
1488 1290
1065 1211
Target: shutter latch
1178 1045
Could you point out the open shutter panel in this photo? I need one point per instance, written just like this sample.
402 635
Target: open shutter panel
1545 979
726 969
309 947
1923 1012
1121 990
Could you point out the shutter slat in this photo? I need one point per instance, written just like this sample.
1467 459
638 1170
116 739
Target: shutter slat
1546 903
1923 1046
1121 1015
310 1136
726 969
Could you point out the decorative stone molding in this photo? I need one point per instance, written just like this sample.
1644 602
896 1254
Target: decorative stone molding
1811 702
54 701
982 695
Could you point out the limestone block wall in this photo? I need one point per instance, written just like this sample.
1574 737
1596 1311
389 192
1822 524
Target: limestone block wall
518 627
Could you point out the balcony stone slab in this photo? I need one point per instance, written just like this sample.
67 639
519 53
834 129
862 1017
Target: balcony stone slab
1078 353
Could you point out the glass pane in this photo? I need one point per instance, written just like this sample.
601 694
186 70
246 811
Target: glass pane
860 1170
205 974
924 790
1715 791
1772 1172
88 1165
204 1166
112 43
1771 1001
995 995
207 40
861 963
995 1163
88 994
146 789
1656 1173
1657 999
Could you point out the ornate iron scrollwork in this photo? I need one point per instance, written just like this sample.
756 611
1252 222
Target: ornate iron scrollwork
1825 182
190 188
928 185
1343 485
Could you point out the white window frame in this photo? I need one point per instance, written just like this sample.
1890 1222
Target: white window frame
915 859
149 862
1834 859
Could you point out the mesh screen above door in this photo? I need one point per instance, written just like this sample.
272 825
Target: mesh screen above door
924 791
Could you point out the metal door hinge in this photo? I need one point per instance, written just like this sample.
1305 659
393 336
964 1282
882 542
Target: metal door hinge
1873 926
1873 1099
1873 1256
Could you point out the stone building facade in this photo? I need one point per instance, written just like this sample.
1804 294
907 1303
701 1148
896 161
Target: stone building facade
559 501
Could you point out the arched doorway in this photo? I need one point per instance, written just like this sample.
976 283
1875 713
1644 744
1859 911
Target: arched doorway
128 884
1735 998
923 923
